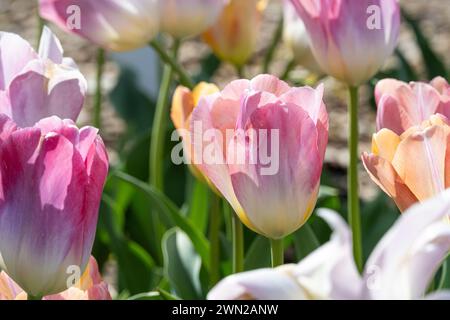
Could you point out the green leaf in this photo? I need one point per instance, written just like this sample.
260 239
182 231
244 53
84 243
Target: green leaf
199 205
305 241
170 214
258 255
136 267
435 66
153 295
182 264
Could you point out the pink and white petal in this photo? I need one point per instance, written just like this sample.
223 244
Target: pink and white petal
289 182
236 89
410 253
385 176
269 83
15 53
50 47
387 87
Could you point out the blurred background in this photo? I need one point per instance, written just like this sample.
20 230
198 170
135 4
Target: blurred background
130 87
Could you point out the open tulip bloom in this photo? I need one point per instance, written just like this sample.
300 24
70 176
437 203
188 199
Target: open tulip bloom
400 267
261 139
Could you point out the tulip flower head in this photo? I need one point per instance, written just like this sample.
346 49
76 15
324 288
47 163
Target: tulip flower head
184 18
400 267
262 144
402 105
351 39
115 25
52 177
89 287
36 85
233 37
405 181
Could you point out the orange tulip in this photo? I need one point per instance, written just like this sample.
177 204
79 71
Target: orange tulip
413 166
233 37
183 103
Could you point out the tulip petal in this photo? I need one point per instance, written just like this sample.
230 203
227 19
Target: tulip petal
289 182
410 253
385 176
269 83
50 47
425 176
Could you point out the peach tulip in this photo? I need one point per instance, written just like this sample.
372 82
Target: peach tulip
402 105
233 37
413 166
351 39
262 144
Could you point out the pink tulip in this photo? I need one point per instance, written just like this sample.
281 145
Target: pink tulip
274 196
402 105
351 39
113 24
89 287
401 266
52 176
38 85
184 18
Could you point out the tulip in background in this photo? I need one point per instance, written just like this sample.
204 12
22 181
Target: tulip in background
351 39
402 105
52 177
38 85
115 25
89 287
233 37
184 18
296 38
183 103
298 116
400 267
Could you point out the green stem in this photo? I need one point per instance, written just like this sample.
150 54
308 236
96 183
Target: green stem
156 157
238 244
277 252
273 45
214 239
31 297
353 194
98 91
240 71
287 70
184 78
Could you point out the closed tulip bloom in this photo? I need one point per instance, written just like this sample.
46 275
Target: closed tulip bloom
351 39
408 180
183 104
233 37
262 144
402 105
52 177
401 266
184 18
36 85
115 25
296 38
89 287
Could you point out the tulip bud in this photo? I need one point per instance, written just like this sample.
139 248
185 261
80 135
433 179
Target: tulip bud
233 37
351 39
405 181
115 25
52 177
38 85
262 139
296 38
184 18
